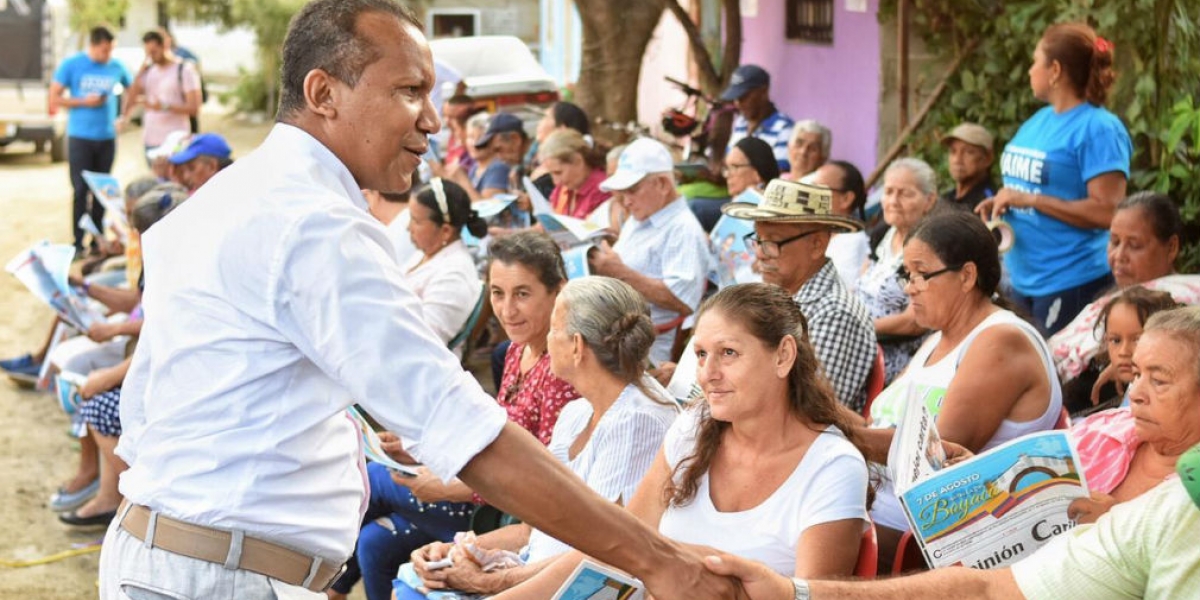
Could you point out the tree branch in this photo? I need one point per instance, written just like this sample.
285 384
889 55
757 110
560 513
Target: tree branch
902 139
708 71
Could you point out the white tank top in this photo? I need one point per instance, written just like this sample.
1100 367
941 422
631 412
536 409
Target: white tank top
931 382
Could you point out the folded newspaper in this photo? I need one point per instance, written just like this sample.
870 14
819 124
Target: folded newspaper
989 511
593 581
373 447
43 269
567 231
107 190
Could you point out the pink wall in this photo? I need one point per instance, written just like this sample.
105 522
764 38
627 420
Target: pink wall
837 84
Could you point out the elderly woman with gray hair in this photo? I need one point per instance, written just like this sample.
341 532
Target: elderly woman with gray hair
808 148
909 193
600 336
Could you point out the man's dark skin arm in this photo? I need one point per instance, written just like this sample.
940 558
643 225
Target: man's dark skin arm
518 475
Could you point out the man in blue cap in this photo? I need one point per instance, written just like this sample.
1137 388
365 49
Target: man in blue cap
749 90
206 154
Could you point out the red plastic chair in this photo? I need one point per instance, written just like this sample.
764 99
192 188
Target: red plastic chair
868 555
908 556
1064 420
874 381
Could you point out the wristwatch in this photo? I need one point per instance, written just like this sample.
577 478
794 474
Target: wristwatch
801 586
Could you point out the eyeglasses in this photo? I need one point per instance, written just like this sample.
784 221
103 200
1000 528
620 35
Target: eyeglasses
920 281
771 249
729 168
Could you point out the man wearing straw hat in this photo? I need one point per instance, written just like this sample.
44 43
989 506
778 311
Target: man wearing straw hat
792 229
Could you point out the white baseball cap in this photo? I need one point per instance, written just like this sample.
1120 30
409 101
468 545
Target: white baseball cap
641 158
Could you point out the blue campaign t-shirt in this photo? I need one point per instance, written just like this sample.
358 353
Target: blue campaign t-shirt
1056 155
83 76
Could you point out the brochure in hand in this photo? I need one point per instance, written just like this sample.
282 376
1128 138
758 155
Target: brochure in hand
499 211
593 581
43 269
373 447
107 190
991 510
735 262
567 231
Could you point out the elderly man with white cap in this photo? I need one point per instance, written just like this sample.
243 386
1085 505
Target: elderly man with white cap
792 228
970 159
662 250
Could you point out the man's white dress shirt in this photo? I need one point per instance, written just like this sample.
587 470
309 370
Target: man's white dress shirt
273 301
669 246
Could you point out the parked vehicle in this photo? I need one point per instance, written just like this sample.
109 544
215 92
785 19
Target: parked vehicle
500 73
33 36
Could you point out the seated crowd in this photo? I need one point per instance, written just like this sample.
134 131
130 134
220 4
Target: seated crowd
807 345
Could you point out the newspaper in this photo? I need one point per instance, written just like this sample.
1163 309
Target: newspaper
735 262
373 447
989 511
568 232
499 211
107 190
593 581
43 269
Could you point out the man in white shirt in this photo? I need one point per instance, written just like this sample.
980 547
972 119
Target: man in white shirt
662 251
271 302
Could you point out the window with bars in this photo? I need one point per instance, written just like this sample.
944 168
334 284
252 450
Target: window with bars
810 20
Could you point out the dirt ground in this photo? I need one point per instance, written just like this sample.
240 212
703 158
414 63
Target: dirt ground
36 452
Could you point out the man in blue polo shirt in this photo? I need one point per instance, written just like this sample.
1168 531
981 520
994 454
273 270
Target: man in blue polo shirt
90 77
749 90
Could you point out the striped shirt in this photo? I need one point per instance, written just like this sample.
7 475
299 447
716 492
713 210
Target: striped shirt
618 454
775 130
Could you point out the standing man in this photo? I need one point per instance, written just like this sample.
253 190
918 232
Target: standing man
749 90
90 78
272 303
168 87
970 161
662 251
792 229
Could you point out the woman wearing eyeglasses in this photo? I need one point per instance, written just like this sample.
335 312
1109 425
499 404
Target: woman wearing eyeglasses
749 165
985 374
909 193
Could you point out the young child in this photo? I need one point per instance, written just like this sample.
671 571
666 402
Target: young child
1118 329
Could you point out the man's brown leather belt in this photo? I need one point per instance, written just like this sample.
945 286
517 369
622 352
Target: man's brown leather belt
215 545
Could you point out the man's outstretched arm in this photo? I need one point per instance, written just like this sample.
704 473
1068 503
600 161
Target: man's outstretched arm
518 475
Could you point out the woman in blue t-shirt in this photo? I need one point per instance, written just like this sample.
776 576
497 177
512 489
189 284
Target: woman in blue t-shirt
1064 173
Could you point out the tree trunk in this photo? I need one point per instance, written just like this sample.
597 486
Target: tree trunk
615 35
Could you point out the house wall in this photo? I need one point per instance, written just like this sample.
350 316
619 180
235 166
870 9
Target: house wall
838 84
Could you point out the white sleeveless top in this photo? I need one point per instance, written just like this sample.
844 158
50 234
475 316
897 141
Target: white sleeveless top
931 382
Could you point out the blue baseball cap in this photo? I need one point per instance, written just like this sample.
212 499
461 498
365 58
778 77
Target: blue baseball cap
500 123
204 144
744 79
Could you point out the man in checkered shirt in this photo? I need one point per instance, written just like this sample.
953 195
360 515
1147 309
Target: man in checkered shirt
792 228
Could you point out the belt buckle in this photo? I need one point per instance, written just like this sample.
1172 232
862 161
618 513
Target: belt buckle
336 576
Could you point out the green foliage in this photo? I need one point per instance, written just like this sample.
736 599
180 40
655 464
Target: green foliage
86 14
268 19
1157 60
250 93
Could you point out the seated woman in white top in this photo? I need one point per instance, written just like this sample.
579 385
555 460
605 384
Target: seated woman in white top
442 273
600 336
985 374
762 467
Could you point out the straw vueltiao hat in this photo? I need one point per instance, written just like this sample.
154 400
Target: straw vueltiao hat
793 202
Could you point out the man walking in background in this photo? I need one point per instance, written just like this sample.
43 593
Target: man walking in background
89 78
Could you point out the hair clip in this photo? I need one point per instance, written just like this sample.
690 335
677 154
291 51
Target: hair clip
1103 45
439 194
165 202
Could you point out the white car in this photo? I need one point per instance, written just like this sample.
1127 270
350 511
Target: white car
498 71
